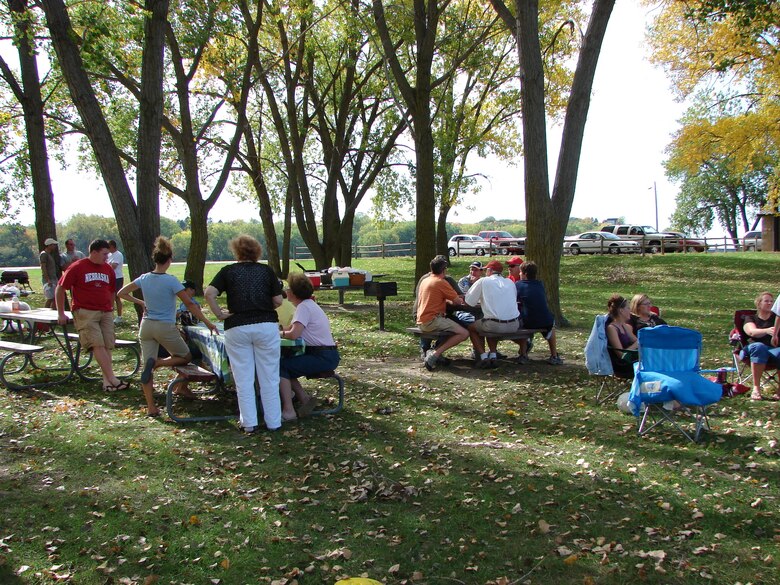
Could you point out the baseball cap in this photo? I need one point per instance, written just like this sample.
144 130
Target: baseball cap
477 264
495 266
188 284
50 241
514 261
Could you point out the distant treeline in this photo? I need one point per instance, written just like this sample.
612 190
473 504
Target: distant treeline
18 243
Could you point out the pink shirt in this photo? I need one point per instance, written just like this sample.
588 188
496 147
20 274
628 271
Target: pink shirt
316 327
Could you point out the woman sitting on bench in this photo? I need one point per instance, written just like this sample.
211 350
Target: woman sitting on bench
322 355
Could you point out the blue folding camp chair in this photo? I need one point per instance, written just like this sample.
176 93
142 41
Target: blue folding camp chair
668 371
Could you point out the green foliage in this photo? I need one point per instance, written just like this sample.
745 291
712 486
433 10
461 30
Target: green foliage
17 246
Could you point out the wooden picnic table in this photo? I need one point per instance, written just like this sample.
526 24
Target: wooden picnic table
10 365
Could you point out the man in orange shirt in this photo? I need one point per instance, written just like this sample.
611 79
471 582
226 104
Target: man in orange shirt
434 296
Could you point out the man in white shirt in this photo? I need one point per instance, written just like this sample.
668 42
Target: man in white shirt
497 297
116 260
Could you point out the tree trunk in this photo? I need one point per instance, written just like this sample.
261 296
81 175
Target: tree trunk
199 240
441 230
547 217
98 133
150 110
344 251
29 97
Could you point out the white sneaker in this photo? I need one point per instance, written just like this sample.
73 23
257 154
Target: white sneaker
117 320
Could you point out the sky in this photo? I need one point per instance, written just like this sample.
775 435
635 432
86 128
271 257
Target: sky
631 119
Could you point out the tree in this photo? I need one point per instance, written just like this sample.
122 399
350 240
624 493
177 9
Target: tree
547 214
334 127
724 55
35 163
718 181
417 71
97 130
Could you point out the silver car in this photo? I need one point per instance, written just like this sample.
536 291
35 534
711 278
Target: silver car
464 244
752 241
598 243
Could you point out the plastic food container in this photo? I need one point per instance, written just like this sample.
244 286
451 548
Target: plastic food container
340 278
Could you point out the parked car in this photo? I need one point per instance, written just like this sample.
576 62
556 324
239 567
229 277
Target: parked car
598 243
504 242
653 240
688 244
464 244
752 241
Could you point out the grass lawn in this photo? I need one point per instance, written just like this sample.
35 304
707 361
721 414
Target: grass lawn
512 475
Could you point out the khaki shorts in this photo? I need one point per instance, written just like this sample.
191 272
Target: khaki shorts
153 334
486 327
439 323
96 328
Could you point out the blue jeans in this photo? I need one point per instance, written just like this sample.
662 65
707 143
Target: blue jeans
309 364
760 353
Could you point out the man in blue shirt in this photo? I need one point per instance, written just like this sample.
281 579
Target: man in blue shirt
535 312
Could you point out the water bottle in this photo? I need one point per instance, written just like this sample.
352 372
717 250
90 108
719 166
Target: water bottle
15 304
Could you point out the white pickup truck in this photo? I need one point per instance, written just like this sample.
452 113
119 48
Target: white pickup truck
648 237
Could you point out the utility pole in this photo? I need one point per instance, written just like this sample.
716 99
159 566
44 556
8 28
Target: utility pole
655 193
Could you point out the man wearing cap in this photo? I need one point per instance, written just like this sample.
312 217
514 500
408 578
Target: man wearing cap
513 265
497 297
475 273
434 295
50 270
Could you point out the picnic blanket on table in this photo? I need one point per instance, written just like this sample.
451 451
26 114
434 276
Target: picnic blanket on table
215 355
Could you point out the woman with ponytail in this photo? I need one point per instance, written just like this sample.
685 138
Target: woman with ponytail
158 325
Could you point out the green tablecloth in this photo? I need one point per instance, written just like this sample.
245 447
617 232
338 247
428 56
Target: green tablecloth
215 355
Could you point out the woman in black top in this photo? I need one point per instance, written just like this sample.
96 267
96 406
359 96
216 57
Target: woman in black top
759 329
251 330
641 314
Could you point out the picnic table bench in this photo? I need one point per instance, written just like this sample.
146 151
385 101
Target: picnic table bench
130 345
194 373
13 350
514 335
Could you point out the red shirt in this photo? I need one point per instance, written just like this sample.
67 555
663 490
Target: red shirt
91 285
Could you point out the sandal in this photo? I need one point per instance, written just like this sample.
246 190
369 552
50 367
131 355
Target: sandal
153 414
756 395
122 385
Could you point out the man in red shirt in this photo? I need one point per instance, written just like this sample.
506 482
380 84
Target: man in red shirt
434 295
91 282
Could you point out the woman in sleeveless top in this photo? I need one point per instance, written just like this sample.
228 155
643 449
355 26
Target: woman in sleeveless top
620 336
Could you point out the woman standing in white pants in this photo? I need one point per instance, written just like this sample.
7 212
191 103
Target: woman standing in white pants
251 330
